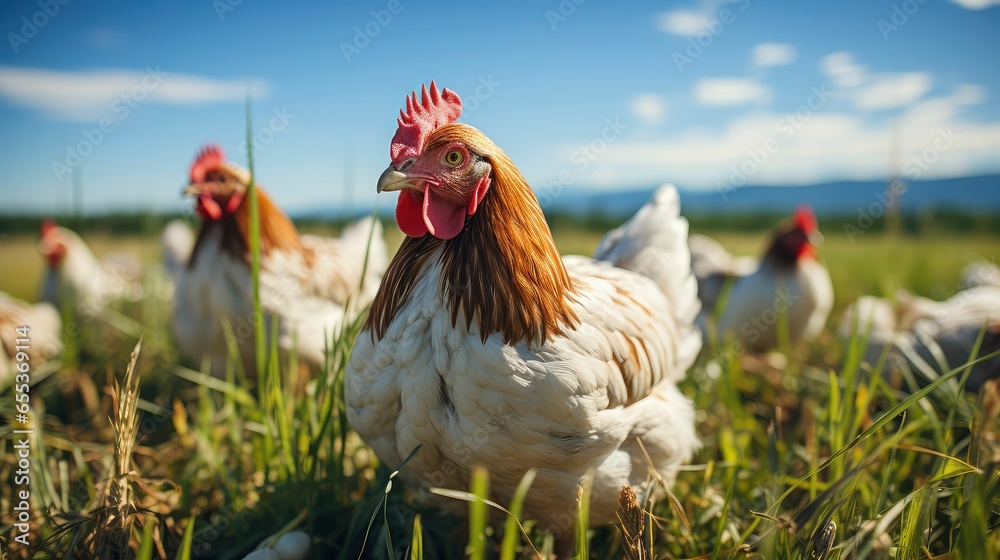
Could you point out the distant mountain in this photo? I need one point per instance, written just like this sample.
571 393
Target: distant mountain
964 193
845 197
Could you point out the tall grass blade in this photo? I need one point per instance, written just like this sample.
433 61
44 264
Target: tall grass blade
184 552
254 242
146 542
480 488
417 540
511 526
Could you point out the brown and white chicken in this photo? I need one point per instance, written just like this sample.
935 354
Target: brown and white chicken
76 275
309 284
788 280
485 347
41 341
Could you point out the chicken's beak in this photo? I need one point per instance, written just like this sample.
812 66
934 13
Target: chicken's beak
392 180
815 238
193 189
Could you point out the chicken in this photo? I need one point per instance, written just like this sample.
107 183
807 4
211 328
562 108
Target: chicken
787 280
176 242
40 342
981 273
485 347
929 337
308 284
74 273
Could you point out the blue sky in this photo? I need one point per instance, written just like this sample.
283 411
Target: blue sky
590 95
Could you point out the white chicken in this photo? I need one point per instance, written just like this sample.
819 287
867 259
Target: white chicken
74 273
980 273
309 284
176 243
788 280
929 337
485 347
40 342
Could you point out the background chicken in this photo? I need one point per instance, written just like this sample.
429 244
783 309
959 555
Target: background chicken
928 337
788 279
308 283
176 243
74 273
44 335
486 348
981 273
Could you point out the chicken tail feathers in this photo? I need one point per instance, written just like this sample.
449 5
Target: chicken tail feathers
654 243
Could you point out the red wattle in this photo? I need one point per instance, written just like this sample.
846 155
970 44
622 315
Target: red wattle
440 218
409 215
209 208
443 219
233 204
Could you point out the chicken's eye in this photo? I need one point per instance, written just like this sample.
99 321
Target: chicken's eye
454 157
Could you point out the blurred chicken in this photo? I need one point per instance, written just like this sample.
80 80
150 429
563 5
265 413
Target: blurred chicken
929 337
485 347
74 273
309 284
43 338
176 242
787 280
981 273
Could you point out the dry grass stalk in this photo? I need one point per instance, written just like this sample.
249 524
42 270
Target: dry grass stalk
632 522
115 509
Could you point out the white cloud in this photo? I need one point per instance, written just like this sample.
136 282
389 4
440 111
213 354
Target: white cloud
697 19
970 94
976 4
773 54
889 91
730 91
682 22
91 95
841 68
826 146
649 107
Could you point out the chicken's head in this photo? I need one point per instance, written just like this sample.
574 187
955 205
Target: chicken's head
220 187
442 169
799 238
52 246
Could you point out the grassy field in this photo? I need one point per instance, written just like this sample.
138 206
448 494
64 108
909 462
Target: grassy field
810 455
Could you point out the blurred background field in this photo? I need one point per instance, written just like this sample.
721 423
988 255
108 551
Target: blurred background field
876 262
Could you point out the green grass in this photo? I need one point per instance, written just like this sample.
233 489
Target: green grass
828 462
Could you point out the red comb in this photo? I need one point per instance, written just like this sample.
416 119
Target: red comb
805 219
209 157
434 110
48 226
